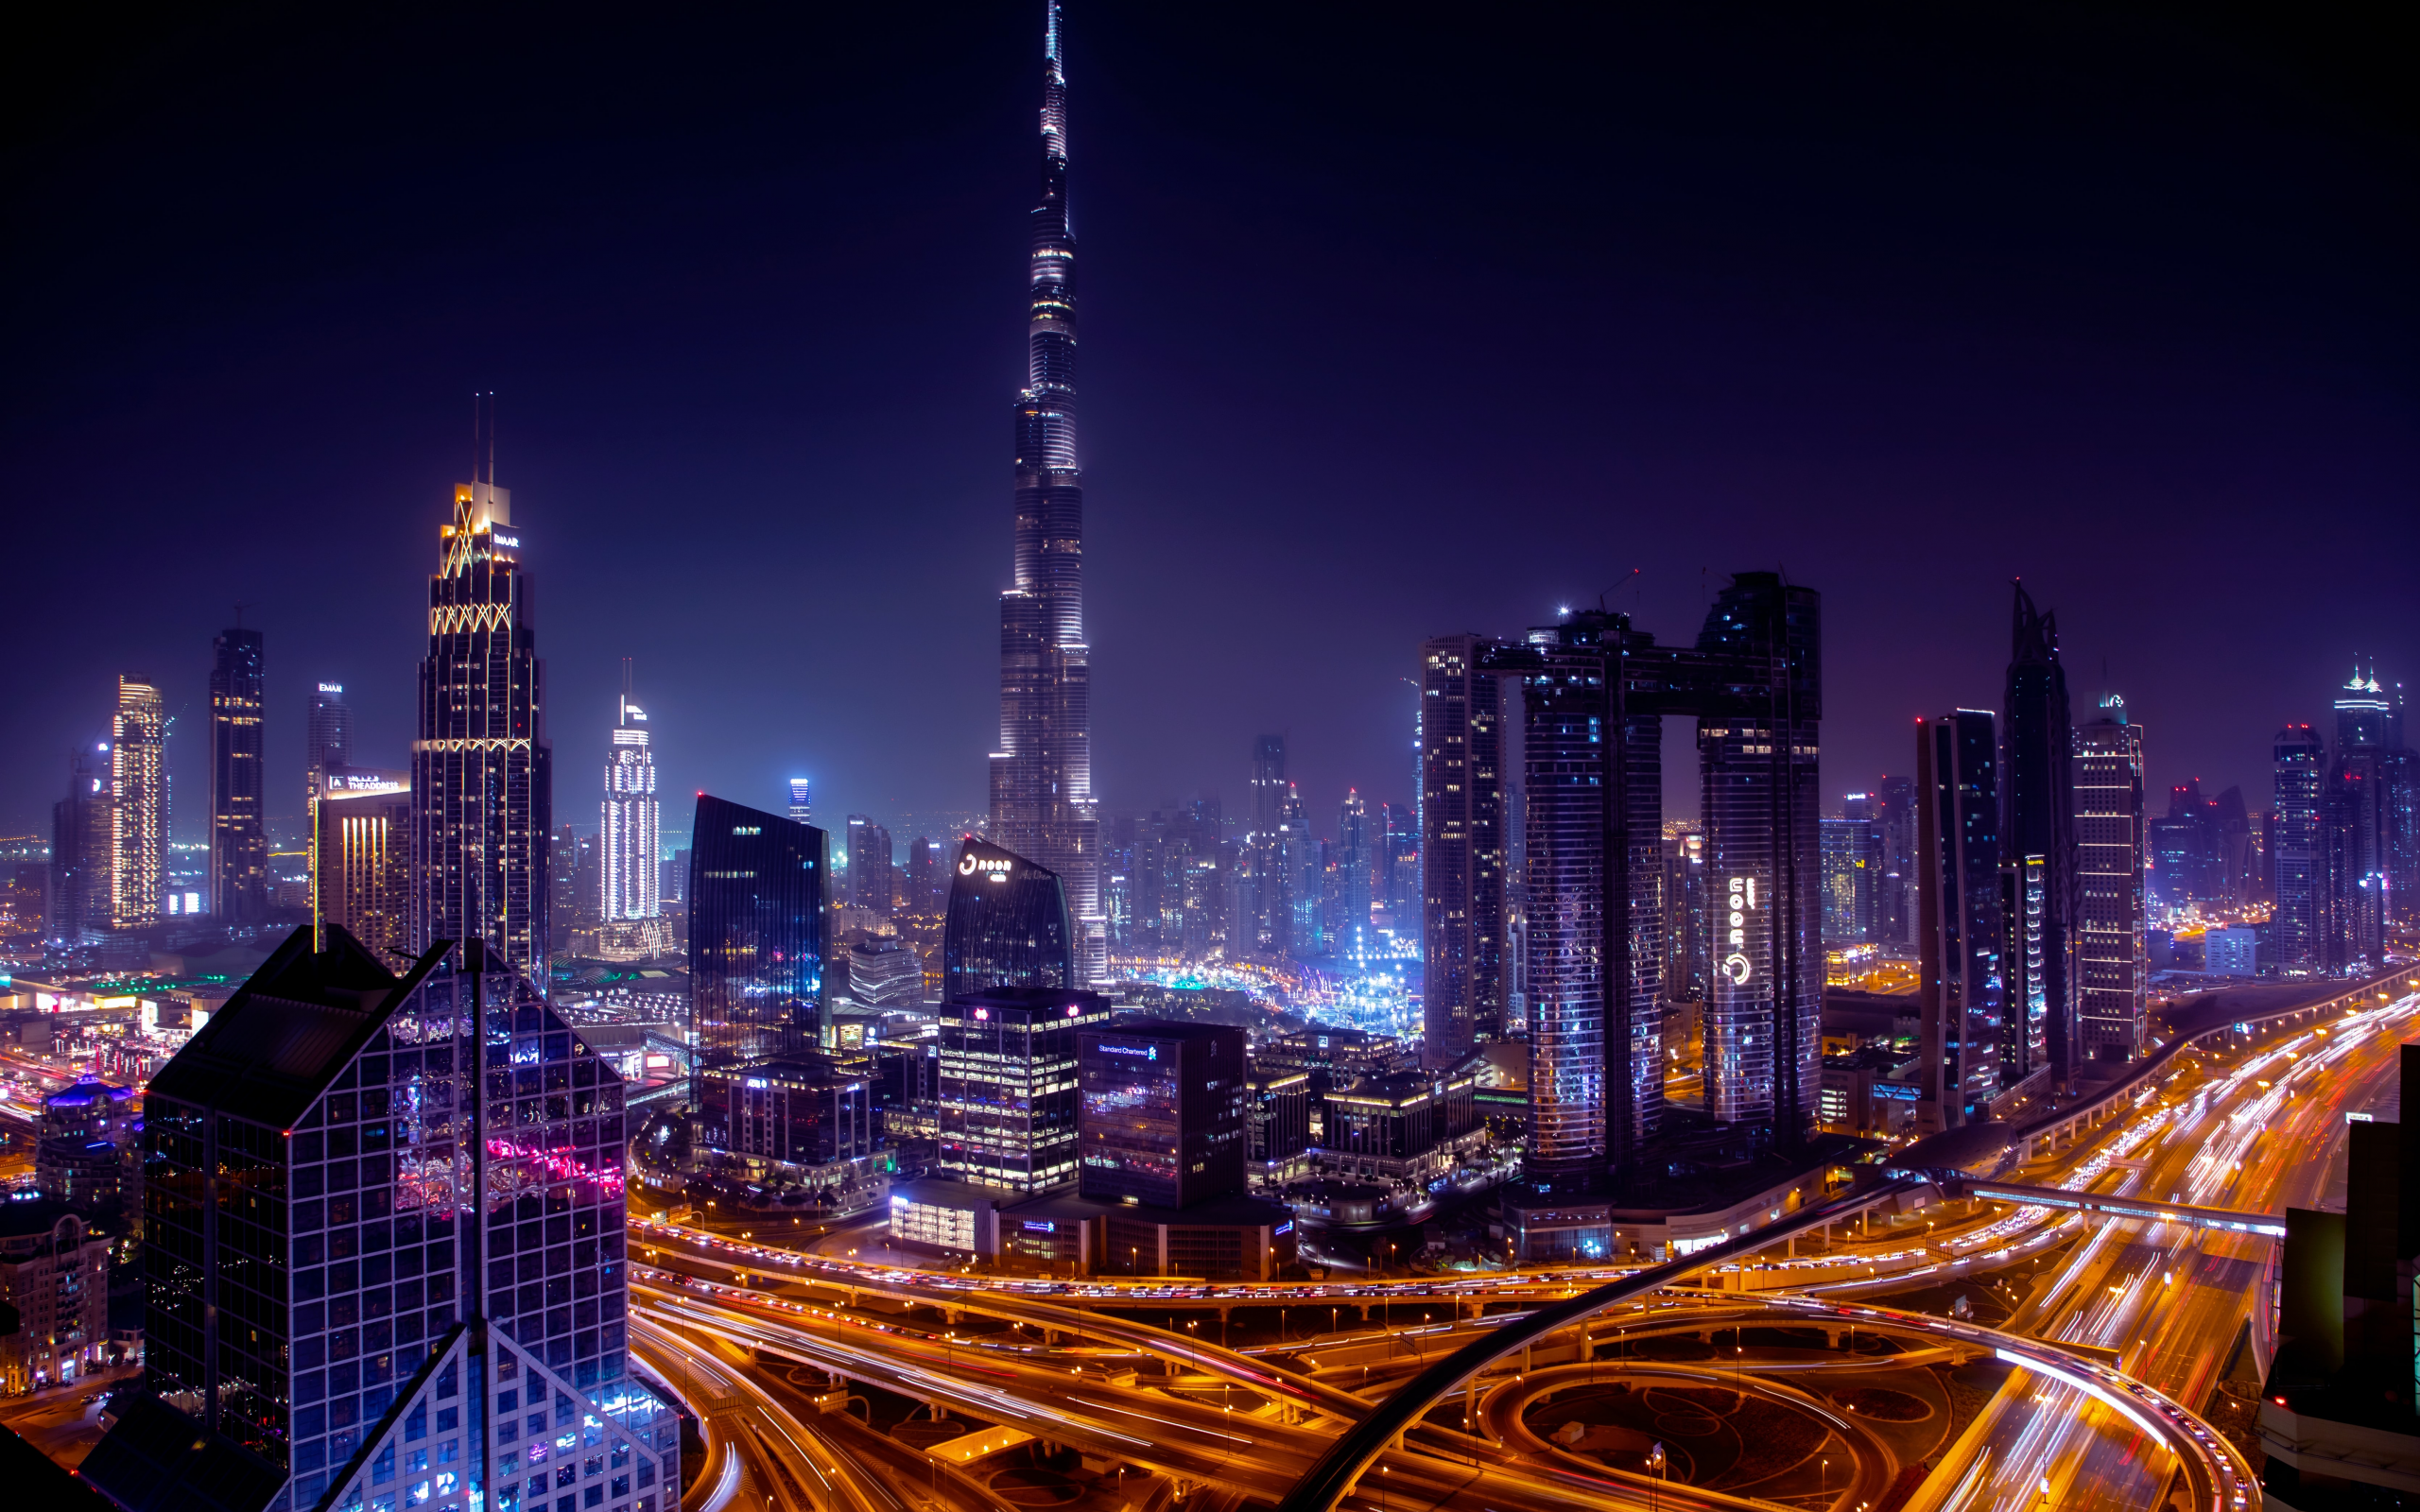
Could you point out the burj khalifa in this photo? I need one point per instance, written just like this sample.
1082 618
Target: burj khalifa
1041 775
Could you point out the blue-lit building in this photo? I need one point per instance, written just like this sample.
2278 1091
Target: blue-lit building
2296 877
383 1253
760 934
1007 924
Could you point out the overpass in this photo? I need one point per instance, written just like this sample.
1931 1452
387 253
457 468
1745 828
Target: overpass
2116 1207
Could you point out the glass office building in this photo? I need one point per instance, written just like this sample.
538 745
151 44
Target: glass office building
1007 1099
384 1216
1966 1026
760 932
2111 974
1008 924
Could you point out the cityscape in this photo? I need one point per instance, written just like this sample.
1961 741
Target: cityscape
1392 1063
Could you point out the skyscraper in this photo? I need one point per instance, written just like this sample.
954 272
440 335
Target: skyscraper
1852 861
1272 893
2039 829
328 733
138 804
1008 924
2110 974
1894 808
760 935
629 849
1006 1084
1462 849
362 858
1960 1003
1356 845
384 1217
238 843
802 806
870 864
2296 880
482 772
81 851
1041 775
2359 827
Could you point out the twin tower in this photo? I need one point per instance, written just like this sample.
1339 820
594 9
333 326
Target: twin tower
1559 736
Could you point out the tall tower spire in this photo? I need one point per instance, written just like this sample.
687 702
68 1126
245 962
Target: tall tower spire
1041 798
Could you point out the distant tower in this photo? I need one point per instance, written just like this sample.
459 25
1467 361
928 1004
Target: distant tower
139 805
482 772
328 739
2110 974
238 842
1041 775
802 807
2294 862
629 846
1272 891
870 864
1354 835
2357 825
81 854
1462 849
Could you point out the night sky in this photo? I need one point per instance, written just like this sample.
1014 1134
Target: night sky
1394 323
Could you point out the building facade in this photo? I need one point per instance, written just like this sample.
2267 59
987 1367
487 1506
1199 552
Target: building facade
1041 775
361 857
760 935
328 735
2297 881
2112 977
1462 849
54 1270
1964 1025
138 804
385 1213
482 772
238 841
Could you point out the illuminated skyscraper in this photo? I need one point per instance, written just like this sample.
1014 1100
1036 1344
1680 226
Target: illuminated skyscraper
2359 825
802 806
2296 877
2040 831
2110 972
482 772
1852 862
328 736
1962 1006
362 858
82 852
1355 839
1272 893
138 805
238 844
870 864
628 845
1041 775
1009 925
1462 849
760 935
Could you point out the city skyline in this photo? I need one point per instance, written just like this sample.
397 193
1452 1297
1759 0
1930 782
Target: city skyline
1177 707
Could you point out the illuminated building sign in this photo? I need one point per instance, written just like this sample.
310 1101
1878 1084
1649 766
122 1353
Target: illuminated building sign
997 867
1147 1051
1743 903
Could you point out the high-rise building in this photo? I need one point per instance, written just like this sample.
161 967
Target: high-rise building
871 867
1966 1031
238 842
1893 807
1300 855
926 891
760 934
1399 870
2039 836
327 734
802 806
1161 1111
384 1221
1688 917
82 852
1462 849
1041 775
2359 826
138 804
482 772
1272 892
1851 865
629 846
2297 882
362 858
2110 970
1008 1102
1008 924
886 973
1356 860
